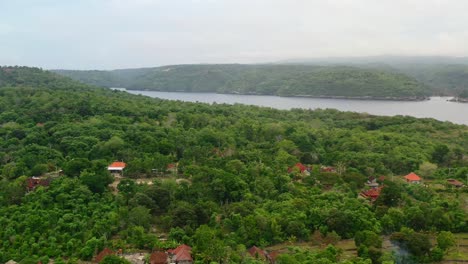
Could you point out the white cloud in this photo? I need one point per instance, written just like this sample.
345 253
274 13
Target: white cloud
134 33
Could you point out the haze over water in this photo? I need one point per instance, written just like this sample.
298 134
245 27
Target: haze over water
437 107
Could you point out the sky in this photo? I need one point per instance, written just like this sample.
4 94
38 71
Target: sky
112 34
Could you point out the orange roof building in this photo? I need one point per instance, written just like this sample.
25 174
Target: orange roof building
413 178
117 168
117 165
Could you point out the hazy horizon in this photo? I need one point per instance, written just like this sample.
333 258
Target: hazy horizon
117 34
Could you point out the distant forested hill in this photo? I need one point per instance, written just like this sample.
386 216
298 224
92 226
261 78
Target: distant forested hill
284 80
15 76
442 75
445 79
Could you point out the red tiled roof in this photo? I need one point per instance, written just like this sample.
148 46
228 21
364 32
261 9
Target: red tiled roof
32 182
105 252
183 255
182 247
298 165
118 164
412 177
171 166
158 258
455 182
372 193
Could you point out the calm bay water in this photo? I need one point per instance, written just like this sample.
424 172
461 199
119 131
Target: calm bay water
438 107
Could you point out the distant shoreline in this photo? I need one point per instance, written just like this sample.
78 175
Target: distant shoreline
369 98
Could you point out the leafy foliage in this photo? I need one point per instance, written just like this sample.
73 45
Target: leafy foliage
232 183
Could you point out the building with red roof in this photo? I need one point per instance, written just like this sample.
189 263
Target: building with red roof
413 178
159 257
117 167
455 183
300 167
33 182
181 255
371 194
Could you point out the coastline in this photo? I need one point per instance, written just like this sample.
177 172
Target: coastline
341 97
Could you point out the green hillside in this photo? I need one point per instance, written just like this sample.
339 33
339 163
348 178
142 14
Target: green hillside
284 80
34 77
444 79
441 75
236 184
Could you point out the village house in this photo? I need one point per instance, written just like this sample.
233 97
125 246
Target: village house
301 168
33 182
455 183
413 178
159 257
181 255
371 194
116 168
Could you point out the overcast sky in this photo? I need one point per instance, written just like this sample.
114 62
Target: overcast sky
109 34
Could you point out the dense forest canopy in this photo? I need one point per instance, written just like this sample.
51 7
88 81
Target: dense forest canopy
444 79
443 75
284 80
235 185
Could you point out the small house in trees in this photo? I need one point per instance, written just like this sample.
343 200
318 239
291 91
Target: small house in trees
105 252
181 255
371 194
413 178
33 182
159 257
116 168
301 168
455 183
